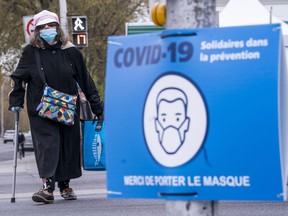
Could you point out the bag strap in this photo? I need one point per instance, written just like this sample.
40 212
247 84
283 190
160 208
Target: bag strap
40 69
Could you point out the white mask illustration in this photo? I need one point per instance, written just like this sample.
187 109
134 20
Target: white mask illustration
171 123
174 120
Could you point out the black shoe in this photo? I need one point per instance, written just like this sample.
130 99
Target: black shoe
68 194
43 196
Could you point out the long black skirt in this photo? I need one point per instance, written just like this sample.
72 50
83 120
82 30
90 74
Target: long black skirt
57 148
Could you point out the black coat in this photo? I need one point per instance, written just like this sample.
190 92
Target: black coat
57 146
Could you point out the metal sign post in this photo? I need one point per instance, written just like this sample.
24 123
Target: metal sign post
63 15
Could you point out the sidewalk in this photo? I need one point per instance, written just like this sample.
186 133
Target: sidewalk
90 190
27 164
28 181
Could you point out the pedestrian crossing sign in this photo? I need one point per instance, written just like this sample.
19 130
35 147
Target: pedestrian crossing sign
79 24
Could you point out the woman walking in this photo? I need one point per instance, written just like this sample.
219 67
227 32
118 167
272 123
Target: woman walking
57 146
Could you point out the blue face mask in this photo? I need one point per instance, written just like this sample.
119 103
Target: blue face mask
48 34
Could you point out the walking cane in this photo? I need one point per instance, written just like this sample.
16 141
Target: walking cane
15 155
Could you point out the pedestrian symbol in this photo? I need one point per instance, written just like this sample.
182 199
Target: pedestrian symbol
79 24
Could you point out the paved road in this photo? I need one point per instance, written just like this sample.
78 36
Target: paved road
91 191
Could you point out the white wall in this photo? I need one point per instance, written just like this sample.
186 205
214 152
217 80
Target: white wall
279 8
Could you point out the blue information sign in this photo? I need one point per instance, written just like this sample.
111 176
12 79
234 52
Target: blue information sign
193 114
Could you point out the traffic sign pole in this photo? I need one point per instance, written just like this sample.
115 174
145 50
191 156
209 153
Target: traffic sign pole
190 14
63 15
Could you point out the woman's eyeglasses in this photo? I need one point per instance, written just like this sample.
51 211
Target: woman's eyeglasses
52 24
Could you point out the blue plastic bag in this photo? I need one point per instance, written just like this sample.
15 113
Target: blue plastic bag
93 146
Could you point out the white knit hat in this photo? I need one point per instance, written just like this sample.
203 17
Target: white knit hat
45 17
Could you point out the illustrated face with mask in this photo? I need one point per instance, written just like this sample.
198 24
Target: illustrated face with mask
172 122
